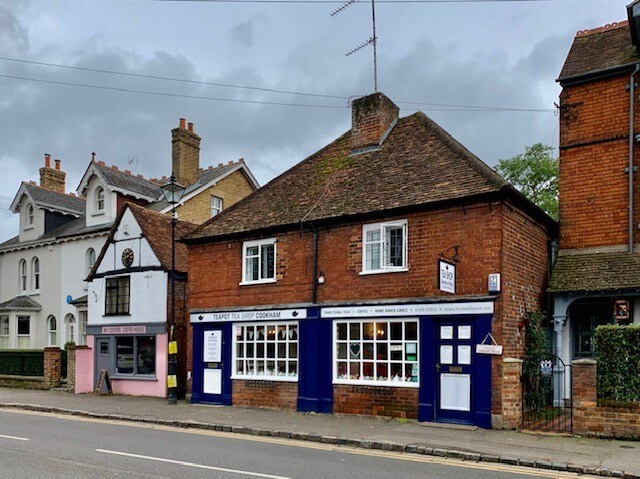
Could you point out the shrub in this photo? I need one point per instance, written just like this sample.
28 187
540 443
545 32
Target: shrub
618 362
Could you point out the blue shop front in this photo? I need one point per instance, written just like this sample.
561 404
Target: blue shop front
413 360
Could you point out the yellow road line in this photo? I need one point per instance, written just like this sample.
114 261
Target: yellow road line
487 466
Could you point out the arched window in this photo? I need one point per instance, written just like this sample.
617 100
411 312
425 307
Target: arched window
90 259
35 274
52 325
100 199
22 279
70 321
29 221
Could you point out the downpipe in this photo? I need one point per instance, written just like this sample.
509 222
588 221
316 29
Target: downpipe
632 139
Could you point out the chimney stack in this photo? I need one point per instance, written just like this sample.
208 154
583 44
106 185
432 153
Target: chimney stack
185 154
372 119
52 178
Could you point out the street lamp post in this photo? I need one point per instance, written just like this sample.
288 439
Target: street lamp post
173 192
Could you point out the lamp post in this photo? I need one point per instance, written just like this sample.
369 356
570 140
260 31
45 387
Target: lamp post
173 192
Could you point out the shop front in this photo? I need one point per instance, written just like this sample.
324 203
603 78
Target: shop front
415 361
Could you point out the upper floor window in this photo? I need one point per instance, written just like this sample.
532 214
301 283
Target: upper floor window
35 274
216 205
83 327
22 278
384 247
30 217
90 260
259 261
117 298
100 199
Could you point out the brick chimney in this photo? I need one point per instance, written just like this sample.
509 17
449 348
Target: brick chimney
185 153
372 118
52 178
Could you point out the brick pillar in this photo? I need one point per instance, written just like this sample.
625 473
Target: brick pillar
71 368
585 382
511 393
52 367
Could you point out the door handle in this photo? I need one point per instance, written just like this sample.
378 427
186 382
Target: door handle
437 368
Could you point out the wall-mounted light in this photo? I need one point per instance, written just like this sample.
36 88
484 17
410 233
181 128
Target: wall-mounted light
321 278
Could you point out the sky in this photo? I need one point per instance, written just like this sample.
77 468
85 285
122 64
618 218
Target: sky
503 54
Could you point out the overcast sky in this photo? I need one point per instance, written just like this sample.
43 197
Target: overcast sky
478 54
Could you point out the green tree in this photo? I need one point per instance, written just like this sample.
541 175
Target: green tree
535 174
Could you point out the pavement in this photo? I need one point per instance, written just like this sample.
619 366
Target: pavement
603 457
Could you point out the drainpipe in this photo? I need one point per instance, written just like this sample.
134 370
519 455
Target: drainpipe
631 141
314 299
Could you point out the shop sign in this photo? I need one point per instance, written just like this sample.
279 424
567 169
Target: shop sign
268 315
434 309
213 346
124 329
621 310
489 346
446 276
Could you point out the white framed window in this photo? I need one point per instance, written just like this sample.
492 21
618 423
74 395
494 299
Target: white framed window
259 261
4 332
83 327
35 274
100 200
29 217
24 332
22 276
136 355
90 260
216 205
265 351
376 351
384 247
52 326
70 322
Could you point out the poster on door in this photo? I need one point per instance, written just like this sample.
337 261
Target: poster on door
212 346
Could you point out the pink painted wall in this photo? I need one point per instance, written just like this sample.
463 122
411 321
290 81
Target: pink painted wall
156 388
84 368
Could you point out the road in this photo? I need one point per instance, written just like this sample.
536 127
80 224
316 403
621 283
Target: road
39 445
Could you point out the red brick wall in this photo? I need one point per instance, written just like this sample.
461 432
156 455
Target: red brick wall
376 401
52 367
265 394
216 269
600 418
593 185
182 331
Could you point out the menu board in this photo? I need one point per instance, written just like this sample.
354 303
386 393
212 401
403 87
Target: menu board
212 346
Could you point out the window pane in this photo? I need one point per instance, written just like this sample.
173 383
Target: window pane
124 360
342 331
381 331
4 325
372 256
367 350
268 261
252 269
396 331
146 355
373 235
342 351
394 246
382 353
23 325
382 371
411 330
367 330
354 331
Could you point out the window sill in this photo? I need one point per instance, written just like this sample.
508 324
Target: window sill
28 228
283 379
386 384
99 213
260 281
382 271
35 292
111 315
133 377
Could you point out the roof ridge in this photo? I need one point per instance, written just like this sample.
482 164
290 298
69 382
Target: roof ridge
602 29
128 173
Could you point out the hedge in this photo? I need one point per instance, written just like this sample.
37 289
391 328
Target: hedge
18 362
618 350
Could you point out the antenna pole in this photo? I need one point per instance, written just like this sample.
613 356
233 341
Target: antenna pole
374 41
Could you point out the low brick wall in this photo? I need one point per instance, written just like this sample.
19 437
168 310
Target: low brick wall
376 401
602 418
265 394
511 393
22 382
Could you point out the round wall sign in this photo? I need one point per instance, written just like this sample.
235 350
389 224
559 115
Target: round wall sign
127 257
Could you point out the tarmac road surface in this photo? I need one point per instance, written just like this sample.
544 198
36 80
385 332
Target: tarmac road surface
42 445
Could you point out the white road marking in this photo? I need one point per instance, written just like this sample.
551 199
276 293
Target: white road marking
14 437
191 464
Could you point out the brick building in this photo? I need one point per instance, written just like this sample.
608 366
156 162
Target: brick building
358 280
596 277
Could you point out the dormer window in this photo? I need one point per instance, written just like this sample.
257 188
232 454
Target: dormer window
99 200
22 276
29 217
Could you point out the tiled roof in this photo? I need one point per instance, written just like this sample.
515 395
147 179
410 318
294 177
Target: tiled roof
20 303
127 181
419 163
595 272
156 228
599 49
45 198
